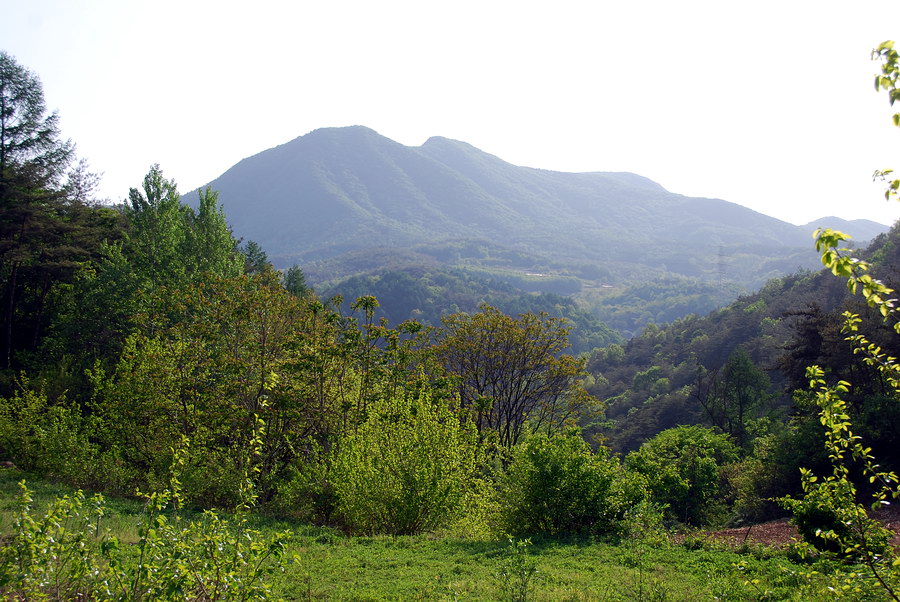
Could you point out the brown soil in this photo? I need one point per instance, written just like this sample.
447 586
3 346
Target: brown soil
778 533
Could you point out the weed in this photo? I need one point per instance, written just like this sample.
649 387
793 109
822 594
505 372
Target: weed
517 571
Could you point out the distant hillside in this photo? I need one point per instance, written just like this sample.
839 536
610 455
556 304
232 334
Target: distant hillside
349 191
790 323
427 292
861 230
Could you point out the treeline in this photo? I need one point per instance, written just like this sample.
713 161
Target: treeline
659 301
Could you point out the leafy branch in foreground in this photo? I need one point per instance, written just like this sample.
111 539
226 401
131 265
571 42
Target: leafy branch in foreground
830 516
887 81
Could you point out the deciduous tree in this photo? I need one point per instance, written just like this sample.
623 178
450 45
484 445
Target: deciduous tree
512 372
733 395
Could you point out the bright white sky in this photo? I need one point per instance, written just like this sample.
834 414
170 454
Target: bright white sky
769 103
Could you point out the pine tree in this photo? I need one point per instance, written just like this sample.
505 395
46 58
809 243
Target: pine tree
35 217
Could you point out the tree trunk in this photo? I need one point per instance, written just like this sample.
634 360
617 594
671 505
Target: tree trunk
10 312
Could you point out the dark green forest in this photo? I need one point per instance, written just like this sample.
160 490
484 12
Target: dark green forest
148 353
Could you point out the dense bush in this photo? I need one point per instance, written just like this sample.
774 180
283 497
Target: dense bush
556 485
683 466
49 437
306 493
405 469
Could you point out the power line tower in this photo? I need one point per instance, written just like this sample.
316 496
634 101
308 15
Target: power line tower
720 265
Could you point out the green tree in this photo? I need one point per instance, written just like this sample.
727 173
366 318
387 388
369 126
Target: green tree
405 469
158 231
209 245
34 221
31 152
165 244
201 361
511 372
733 395
256 261
295 282
683 466
171 244
107 294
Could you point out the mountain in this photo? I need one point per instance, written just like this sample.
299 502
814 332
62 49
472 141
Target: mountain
860 229
340 193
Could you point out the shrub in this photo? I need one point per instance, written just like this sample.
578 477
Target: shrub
406 468
64 555
556 486
683 466
47 437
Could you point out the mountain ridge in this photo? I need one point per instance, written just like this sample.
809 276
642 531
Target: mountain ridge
335 191
859 229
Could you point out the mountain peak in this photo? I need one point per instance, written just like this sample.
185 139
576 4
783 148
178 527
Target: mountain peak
443 141
859 229
346 130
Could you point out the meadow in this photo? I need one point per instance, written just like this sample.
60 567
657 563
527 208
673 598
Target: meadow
321 563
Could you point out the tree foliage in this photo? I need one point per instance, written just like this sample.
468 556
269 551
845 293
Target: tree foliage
683 467
47 229
31 152
203 359
734 395
511 372
556 485
165 244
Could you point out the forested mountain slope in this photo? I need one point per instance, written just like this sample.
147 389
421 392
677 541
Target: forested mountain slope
663 377
339 190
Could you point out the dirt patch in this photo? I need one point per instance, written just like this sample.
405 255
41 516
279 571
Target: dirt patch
778 533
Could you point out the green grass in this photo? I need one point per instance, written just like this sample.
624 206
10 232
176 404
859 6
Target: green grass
323 564
408 568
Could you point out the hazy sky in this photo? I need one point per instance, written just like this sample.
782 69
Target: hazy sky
769 104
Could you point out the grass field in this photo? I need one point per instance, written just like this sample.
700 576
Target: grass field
324 564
